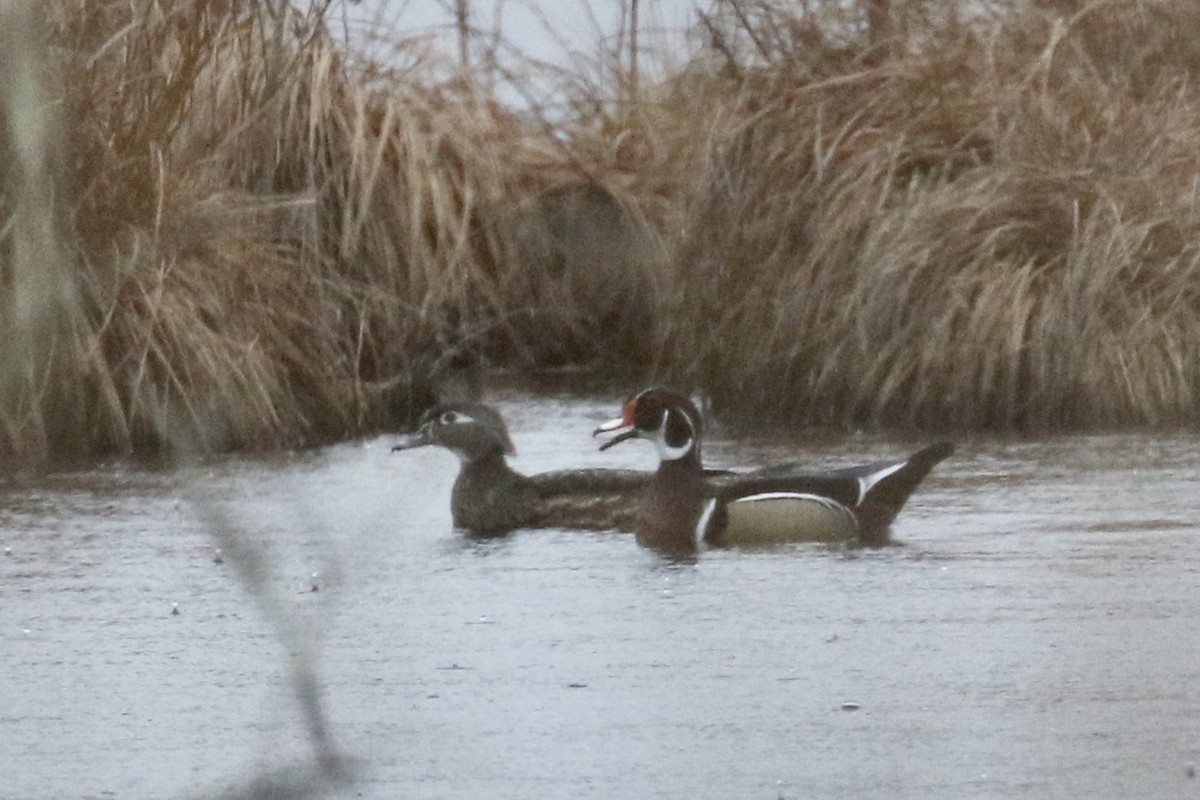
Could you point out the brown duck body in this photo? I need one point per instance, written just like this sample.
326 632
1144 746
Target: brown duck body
490 497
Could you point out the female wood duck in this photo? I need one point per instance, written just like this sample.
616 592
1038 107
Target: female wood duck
490 497
683 507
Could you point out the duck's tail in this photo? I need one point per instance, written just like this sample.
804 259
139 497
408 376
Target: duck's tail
887 489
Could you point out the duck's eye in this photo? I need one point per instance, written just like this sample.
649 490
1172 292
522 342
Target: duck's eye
448 418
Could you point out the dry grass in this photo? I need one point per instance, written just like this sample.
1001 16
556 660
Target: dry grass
255 245
216 231
993 223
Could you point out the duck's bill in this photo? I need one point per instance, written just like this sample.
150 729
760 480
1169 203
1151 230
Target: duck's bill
410 441
625 428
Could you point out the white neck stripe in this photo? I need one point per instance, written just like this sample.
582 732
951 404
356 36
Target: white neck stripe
665 451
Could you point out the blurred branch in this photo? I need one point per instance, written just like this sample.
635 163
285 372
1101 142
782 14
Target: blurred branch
633 49
330 769
462 20
39 301
879 26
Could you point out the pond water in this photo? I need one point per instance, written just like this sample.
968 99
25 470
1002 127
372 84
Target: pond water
1034 635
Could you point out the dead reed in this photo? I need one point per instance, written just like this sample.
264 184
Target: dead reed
218 232
986 222
218 228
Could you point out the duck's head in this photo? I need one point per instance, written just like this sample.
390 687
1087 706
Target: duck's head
666 418
472 430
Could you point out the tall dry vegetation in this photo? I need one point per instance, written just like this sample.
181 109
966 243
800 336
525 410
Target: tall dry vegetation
217 234
189 318
972 222
219 230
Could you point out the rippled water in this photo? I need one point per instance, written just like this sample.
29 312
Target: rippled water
1035 635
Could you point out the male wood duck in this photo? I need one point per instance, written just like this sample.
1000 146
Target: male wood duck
683 507
490 497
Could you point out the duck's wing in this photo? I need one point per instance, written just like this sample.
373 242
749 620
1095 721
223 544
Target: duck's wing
841 489
589 499
895 473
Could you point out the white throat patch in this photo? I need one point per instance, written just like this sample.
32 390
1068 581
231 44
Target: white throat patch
665 451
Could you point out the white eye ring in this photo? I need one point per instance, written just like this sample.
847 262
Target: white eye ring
448 418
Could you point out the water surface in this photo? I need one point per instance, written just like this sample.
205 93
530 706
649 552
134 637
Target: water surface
1034 635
